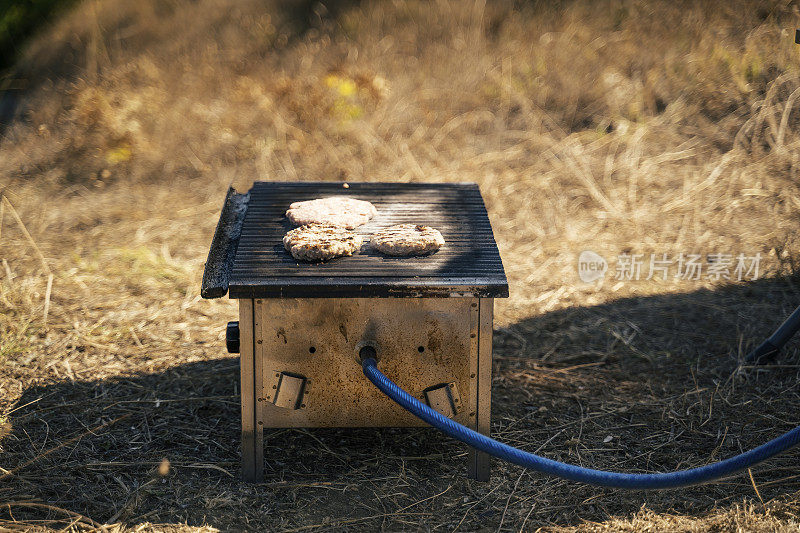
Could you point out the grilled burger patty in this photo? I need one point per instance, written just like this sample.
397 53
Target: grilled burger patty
407 239
321 242
338 210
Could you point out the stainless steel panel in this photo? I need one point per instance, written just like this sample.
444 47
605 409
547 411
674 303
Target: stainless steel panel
421 342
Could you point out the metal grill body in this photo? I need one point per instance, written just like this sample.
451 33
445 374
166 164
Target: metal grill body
301 325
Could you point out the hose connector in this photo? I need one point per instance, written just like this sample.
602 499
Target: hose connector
367 351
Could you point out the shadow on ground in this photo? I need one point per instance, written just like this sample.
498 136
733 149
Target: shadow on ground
640 384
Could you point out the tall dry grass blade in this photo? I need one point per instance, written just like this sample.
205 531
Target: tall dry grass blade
767 106
633 157
46 268
755 488
689 194
787 109
27 234
2 214
47 294
7 268
576 164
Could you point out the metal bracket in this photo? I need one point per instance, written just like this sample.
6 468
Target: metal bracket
444 398
286 390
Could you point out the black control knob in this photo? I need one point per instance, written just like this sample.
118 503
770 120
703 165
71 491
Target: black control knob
232 337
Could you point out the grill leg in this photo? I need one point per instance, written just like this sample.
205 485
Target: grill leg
250 372
479 462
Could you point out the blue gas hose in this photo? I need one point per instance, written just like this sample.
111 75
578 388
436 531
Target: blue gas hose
681 478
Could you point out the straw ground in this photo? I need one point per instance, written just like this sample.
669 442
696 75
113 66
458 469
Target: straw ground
619 127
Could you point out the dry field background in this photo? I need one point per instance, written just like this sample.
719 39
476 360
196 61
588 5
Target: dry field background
616 126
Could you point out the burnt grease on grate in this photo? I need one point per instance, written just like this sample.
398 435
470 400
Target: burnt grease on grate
467 265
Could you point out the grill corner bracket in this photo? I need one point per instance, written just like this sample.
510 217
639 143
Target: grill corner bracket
444 398
286 390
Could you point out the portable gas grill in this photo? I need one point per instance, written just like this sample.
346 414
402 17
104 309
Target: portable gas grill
427 319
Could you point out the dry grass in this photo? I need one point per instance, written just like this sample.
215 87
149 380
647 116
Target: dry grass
646 127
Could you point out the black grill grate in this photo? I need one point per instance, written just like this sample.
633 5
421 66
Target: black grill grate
468 265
